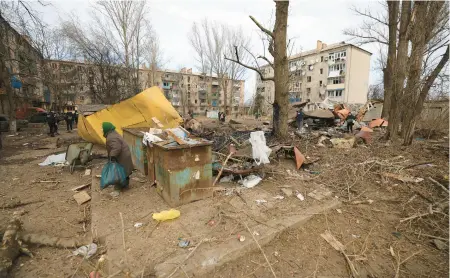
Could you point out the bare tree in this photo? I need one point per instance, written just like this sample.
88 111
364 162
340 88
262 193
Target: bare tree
375 92
277 47
211 42
417 52
19 61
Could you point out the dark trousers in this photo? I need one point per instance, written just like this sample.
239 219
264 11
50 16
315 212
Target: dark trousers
350 127
53 128
69 125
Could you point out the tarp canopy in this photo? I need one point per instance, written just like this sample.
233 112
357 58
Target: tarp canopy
136 111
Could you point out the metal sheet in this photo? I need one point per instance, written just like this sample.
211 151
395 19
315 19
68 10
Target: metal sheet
133 138
184 174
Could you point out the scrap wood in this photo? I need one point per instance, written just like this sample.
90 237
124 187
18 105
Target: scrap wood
81 197
235 141
176 138
18 204
221 169
328 237
332 241
157 122
438 184
231 158
83 186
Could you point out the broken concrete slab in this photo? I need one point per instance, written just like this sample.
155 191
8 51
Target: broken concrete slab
287 192
206 259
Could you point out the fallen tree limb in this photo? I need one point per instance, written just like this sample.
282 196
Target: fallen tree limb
438 184
10 248
18 204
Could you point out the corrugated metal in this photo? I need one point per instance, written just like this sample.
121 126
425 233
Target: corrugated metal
183 173
133 138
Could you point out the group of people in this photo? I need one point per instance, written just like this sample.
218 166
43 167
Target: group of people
350 120
53 119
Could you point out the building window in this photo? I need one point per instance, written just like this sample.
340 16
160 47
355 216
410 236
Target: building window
81 98
308 90
308 78
321 71
189 79
321 58
335 93
336 67
195 101
320 83
336 80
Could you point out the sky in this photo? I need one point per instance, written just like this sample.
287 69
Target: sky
308 21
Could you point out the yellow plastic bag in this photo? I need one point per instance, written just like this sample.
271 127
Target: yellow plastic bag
166 215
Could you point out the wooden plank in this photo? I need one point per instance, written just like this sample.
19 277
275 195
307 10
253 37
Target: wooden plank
176 138
82 197
157 122
333 241
83 186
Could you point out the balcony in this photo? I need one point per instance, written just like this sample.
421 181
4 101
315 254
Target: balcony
166 86
169 77
177 103
202 96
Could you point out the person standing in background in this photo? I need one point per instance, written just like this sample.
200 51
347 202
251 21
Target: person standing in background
299 118
68 117
350 122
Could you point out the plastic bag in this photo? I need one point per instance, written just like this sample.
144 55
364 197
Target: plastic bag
113 174
166 215
86 251
260 150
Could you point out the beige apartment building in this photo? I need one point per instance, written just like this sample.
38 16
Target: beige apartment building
186 90
337 72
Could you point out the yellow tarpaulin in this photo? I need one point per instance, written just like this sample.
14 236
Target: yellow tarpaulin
136 111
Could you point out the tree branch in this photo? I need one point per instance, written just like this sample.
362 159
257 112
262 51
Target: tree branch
270 34
267 60
247 66
430 79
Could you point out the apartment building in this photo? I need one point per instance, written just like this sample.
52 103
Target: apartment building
195 92
21 67
338 72
78 83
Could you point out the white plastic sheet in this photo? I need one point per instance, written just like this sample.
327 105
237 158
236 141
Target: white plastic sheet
260 150
54 159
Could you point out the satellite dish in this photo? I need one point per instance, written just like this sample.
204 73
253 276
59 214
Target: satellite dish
311 67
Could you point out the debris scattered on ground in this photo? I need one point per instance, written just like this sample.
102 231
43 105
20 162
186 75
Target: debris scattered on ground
260 150
300 196
343 143
87 172
86 251
241 238
250 181
440 244
228 178
82 197
403 178
138 225
260 201
166 215
54 159
320 193
287 192
81 187
339 210
183 243
278 197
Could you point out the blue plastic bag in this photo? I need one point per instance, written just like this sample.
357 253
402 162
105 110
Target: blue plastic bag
113 174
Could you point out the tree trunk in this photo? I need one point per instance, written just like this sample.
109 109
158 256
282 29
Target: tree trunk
399 74
392 50
410 120
281 71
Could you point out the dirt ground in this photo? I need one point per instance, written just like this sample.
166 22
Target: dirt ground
379 240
